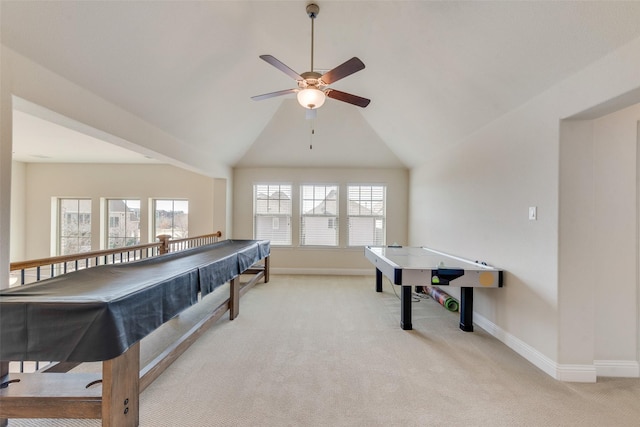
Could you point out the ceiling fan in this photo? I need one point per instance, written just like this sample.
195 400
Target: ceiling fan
313 87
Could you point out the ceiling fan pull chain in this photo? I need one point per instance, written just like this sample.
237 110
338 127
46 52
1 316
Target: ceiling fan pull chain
313 132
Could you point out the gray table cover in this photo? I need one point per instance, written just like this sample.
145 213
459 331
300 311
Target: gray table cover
97 313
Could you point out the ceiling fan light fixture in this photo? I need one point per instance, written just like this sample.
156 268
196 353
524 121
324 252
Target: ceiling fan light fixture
313 87
311 98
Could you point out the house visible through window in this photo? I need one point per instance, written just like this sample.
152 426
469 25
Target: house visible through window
124 223
366 215
74 226
171 217
272 213
319 215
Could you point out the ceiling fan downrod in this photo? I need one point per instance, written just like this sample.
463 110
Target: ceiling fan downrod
312 10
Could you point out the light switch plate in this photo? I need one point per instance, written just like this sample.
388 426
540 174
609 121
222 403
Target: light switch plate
533 213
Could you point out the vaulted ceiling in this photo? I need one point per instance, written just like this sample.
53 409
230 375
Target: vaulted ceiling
436 71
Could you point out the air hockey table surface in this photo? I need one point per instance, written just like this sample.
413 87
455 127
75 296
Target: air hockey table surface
409 266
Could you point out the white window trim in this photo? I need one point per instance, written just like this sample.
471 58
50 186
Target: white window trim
383 217
279 216
337 215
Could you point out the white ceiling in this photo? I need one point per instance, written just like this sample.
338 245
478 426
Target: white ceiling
42 141
435 70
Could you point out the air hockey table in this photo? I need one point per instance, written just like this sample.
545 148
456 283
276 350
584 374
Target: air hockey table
419 266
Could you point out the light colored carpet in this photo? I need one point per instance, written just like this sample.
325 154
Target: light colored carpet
329 351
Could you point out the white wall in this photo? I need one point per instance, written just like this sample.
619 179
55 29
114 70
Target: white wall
473 199
45 181
324 260
18 210
603 256
222 204
615 164
576 259
6 131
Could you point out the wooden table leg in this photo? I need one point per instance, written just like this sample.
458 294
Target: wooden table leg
234 298
120 389
266 270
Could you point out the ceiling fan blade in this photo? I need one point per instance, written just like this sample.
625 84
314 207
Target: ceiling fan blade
273 94
343 70
280 66
347 97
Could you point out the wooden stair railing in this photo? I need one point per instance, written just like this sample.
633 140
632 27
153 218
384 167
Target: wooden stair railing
168 245
62 264
45 268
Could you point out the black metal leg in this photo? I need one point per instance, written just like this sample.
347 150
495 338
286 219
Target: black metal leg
378 280
405 308
466 309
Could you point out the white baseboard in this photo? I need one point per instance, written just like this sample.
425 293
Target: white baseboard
325 271
576 373
617 368
569 373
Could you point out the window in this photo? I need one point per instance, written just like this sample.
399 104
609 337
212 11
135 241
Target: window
366 215
124 223
319 218
172 218
74 226
272 213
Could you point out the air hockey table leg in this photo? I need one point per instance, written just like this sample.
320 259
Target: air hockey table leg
378 280
405 308
466 309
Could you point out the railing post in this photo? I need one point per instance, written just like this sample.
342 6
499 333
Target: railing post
164 243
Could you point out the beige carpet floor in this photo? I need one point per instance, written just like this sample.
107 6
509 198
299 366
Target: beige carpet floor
329 351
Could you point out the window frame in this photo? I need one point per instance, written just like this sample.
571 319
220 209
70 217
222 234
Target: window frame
370 206
154 223
315 202
282 188
127 220
82 218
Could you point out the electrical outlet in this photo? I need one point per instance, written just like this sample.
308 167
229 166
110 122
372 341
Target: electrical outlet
533 213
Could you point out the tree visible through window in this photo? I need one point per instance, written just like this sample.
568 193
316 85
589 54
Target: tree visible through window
366 215
74 226
124 223
172 218
319 218
272 213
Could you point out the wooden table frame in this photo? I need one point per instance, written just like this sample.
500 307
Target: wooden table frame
114 397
